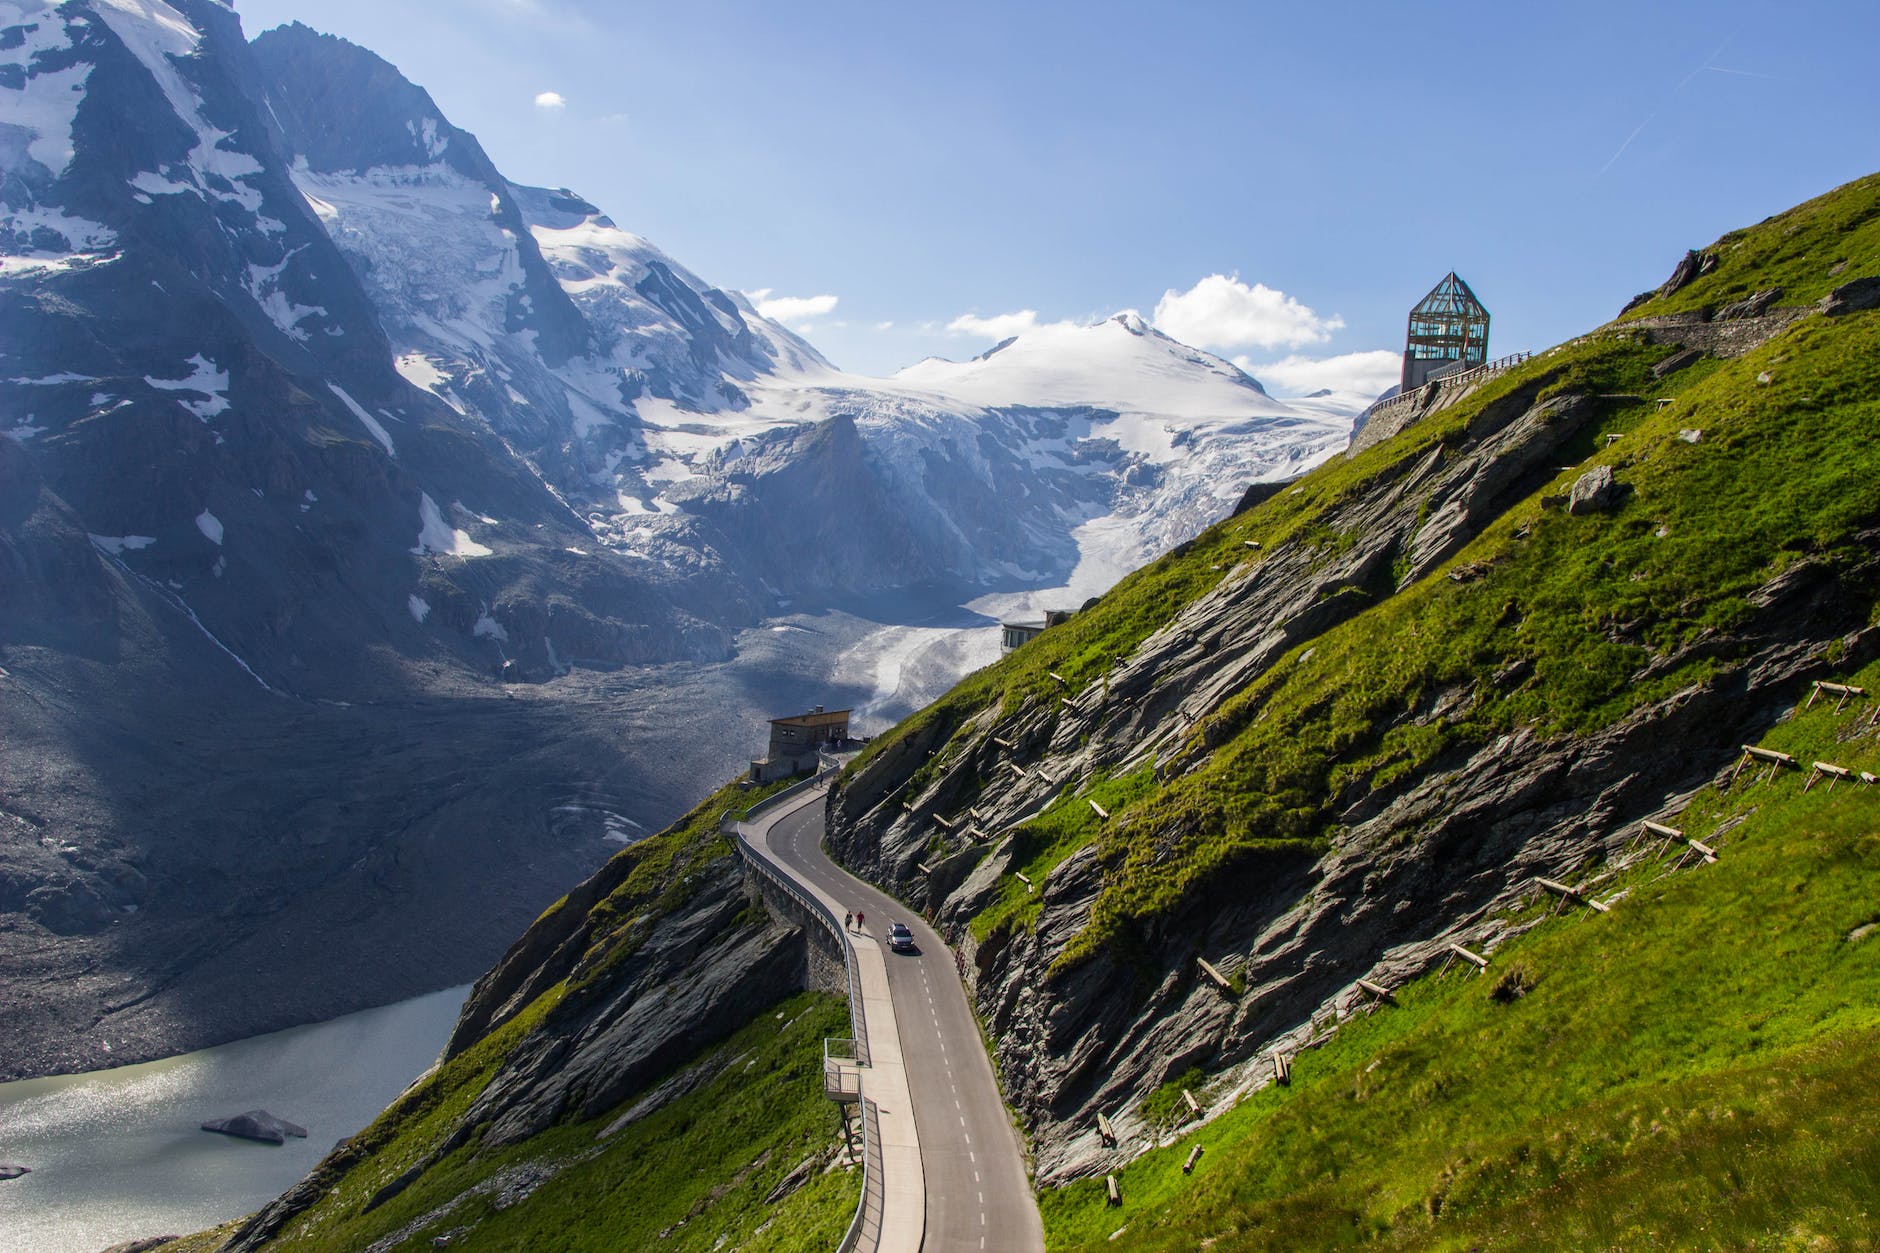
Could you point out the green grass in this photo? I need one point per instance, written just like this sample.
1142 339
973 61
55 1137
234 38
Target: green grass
1690 1071
1795 251
713 1155
695 1172
1041 845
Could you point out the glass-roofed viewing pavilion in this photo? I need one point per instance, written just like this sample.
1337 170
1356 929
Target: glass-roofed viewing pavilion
1447 327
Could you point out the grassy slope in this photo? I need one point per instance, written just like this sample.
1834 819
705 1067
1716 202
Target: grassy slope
1797 251
714 1154
1690 1071
1572 608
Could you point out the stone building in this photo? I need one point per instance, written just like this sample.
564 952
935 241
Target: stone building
1024 630
1448 332
795 741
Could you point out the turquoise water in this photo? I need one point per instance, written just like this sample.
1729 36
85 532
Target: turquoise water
117 1154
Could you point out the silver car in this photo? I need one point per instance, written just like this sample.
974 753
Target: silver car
900 939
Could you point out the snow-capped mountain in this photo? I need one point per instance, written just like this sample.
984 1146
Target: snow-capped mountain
313 427
687 429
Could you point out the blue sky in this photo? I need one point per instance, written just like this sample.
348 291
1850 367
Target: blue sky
1281 181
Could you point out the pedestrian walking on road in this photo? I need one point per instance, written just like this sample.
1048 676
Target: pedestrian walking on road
848 920
858 920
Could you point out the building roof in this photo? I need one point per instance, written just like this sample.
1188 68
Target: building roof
1450 296
813 719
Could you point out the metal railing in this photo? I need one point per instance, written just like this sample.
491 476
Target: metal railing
870 1204
1487 368
842 1077
867 1221
761 862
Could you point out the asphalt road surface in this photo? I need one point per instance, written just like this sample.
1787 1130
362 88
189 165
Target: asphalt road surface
978 1194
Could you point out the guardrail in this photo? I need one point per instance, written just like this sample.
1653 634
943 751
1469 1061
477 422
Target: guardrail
842 1079
758 860
779 878
1464 376
873 1190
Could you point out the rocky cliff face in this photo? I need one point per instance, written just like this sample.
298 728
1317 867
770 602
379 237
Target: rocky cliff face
1088 978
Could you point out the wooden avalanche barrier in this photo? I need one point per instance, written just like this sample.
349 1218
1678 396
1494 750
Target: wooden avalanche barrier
1844 691
1194 1155
1215 977
1103 815
1377 990
1474 959
1774 760
1023 878
1115 1193
1833 773
1105 1132
1194 1106
1566 893
1282 1069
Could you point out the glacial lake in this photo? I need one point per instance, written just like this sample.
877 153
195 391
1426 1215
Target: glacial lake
118 1154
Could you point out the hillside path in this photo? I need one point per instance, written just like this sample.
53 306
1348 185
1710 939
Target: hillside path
977 1194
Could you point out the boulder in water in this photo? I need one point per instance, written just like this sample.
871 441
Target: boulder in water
9 1171
257 1124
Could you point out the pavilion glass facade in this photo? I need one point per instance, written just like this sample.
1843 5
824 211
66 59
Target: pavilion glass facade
1448 325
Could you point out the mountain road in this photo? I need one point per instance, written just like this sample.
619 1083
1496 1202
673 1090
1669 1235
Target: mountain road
978 1194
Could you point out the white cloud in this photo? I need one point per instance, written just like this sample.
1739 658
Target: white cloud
1358 373
998 326
1222 312
550 101
790 308
884 326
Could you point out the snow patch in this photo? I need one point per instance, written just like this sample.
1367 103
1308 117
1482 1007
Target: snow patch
264 284
45 103
489 628
210 526
372 424
419 370
25 430
118 545
437 536
420 607
206 379
52 380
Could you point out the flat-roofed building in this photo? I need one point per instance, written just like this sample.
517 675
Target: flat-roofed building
796 740
1024 630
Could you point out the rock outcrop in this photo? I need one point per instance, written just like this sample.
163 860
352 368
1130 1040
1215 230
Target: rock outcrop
256 1124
